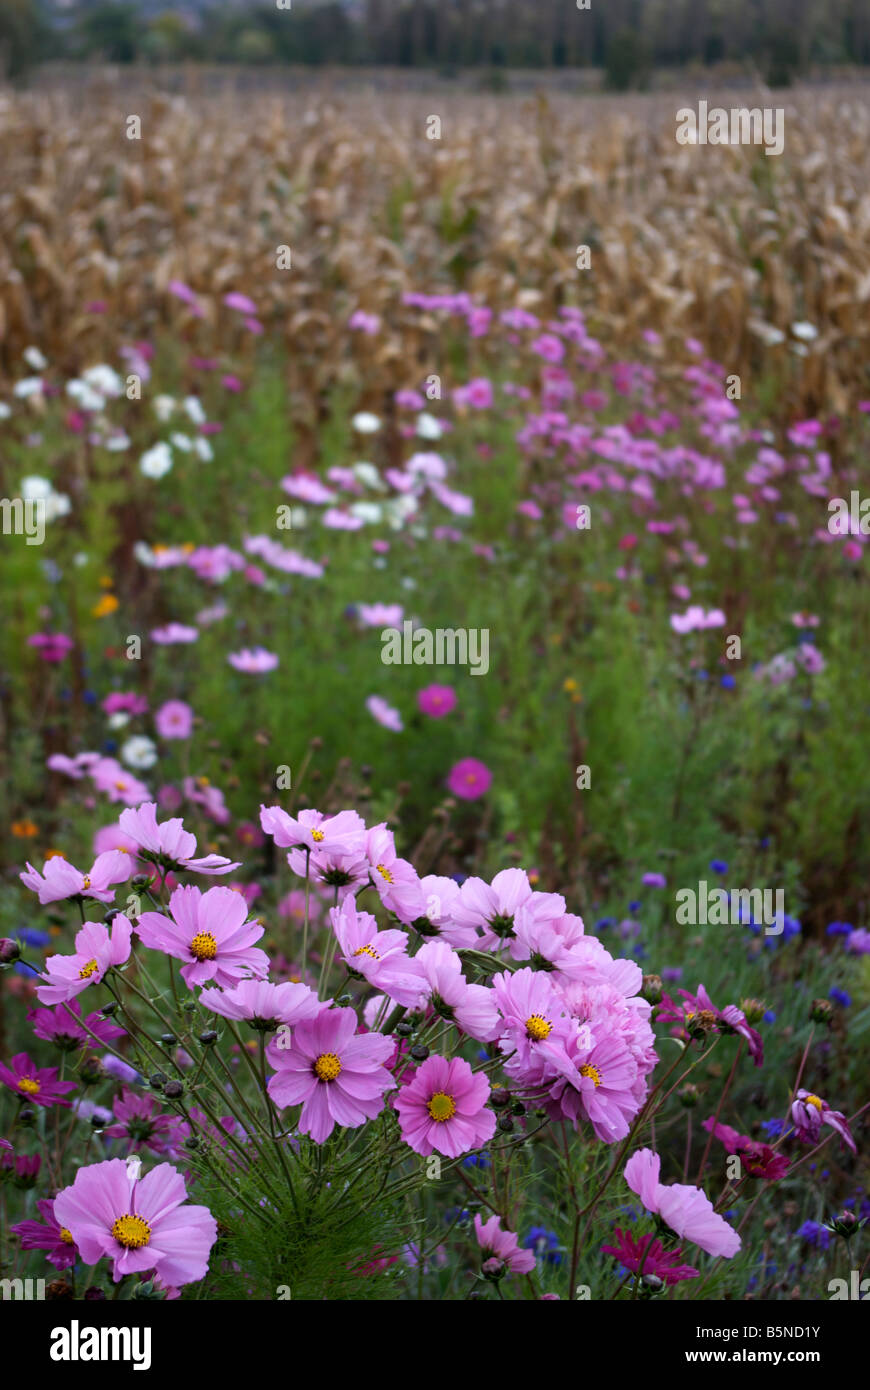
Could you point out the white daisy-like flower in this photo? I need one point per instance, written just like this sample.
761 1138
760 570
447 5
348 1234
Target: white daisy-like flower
369 512
118 720
369 476
156 461
139 753
181 441
34 358
5 410
365 422
104 379
163 407
203 449
27 387
428 427
193 408
85 395
807 332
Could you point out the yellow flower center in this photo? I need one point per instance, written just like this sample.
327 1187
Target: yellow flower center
29 1086
203 946
538 1028
813 1100
385 873
120 786
203 782
327 1067
588 1070
131 1232
318 835
65 1235
88 970
441 1107
86 882
367 951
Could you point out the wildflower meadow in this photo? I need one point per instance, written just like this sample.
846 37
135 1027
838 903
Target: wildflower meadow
434 680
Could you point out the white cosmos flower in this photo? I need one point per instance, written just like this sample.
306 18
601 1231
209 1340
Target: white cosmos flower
193 406
369 476
117 442
139 752
428 427
5 411
163 407
104 379
34 358
203 449
84 395
156 461
365 422
807 332
369 512
28 386
182 442
118 720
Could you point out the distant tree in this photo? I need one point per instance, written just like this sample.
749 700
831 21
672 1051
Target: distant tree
113 32
783 57
23 37
627 61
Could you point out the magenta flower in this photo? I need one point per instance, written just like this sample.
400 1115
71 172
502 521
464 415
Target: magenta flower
48 1235
169 844
502 1247
96 951
174 719
36 1085
240 302
139 1224
687 1210
119 701
265 1006
255 661
700 1014
436 700
209 932
141 1123
62 1025
758 1159
60 879
809 1112
337 1076
444 1108
469 779
52 646
647 1255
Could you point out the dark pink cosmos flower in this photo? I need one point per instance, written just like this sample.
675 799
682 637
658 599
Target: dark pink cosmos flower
139 1224
23 1169
436 700
759 1160
699 1015
502 1246
36 1085
469 779
52 646
210 933
141 1123
60 879
444 1109
168 843
48 1235
96 951
337 1075
648 1256
809 1112
62 1025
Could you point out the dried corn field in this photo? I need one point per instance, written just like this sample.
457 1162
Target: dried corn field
723 243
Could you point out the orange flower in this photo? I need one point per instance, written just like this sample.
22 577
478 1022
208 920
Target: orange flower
107 604
24 829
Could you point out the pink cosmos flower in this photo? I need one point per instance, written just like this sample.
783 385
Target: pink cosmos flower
169 844
264 1005
210 933
648 1256
200 791
126 702
253 660
596 1079
395 879
687 1210
502 1246
700 1013
492 908
380 614
96 951
174 719
471 1007
534 1021
62 1026
809 1112
48 1235
119 785
141 1122
380 957
138 1223
337 1076
60 879
469 779
440 895
443 1109
363 322
173 634
436 700
343 833
385 714
36 1085
241 302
